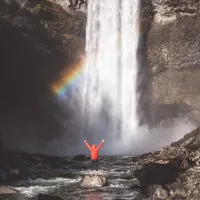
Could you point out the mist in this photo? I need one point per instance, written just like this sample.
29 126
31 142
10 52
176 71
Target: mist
143 140
64 134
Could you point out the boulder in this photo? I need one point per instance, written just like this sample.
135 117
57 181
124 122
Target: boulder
78 166
14 174
157 192
48 197
155 173
93 181
7 190
80 158
7 174
177 190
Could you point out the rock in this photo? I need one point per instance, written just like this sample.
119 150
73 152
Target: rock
7 174
61 162
178 161
7 190
157 192
177 190
155 173
48 197
94 181
169 59
80 158
3 175
78 166
14 175
138 188
14 171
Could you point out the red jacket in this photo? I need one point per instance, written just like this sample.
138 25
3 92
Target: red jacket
94 151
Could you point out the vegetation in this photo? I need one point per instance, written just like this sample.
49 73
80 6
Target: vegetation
38 9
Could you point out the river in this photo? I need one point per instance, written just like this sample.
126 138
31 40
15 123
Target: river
118 170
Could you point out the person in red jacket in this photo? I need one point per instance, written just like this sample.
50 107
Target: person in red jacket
94 154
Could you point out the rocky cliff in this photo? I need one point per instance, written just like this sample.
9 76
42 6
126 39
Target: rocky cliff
173 172
173 54
40 39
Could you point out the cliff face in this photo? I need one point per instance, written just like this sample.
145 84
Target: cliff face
39 40
173 53
169 48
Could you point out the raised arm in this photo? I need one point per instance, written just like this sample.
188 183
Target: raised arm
87 145
101 144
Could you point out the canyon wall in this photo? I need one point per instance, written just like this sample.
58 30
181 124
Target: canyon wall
40 39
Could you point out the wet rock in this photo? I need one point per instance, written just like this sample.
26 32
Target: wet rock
176 162
93 181
80 158
60 162
7 174
14 174
48 197
7 190
157 192
138 188
155 173
78 166
177 190
14 171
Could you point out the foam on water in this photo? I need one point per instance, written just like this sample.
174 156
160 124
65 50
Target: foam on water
45 185
58 180
33 190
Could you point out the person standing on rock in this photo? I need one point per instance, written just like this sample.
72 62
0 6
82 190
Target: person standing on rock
94 154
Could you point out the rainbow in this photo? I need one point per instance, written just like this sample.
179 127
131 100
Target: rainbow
69 78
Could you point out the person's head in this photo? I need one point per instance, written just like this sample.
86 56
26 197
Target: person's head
94 146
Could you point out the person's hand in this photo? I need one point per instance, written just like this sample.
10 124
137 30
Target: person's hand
102 140
84 140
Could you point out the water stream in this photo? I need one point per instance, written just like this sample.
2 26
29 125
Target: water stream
116 168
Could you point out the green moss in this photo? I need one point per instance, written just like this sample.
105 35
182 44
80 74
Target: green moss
38 9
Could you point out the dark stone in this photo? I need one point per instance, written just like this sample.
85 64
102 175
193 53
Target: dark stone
10 175
155 173
138 188
60 162
48 197
88 158
78 166
80 158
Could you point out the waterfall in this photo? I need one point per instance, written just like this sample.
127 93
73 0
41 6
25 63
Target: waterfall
110 94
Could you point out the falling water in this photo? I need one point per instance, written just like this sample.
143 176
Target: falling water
110 95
